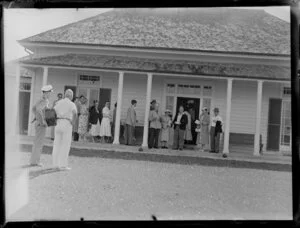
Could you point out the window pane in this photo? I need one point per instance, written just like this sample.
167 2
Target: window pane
170 103
171 88
25 86
198 90
180 89
207 91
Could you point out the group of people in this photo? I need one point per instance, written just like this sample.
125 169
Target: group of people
181 126
65 117
91 120
74 116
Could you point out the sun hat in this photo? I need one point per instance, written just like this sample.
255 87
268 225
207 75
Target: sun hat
47 88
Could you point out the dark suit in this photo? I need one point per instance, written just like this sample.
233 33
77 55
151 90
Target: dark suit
179 131
94 116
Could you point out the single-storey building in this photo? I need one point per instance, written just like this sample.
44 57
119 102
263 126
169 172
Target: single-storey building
235 59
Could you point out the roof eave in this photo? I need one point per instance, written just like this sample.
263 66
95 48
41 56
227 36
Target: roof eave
41 43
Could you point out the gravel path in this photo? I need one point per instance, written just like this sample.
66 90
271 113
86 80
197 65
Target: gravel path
98 188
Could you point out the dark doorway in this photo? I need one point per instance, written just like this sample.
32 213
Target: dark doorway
274 122
24 104
104 96
192 105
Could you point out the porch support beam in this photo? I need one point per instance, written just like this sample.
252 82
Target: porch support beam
146 121
45 75
258 118
119 108
228 113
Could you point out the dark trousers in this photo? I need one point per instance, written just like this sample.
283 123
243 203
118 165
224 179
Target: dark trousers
128 134
194 133
178 138
214 140
76 136
153 141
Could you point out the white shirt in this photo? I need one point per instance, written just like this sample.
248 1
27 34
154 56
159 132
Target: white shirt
64 108
179 118
215 119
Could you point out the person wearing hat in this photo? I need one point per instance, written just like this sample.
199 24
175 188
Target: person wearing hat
215 131
204 135
40 125
166 124
66 111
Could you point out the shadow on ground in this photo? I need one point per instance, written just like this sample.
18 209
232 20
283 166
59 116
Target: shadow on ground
36 173
184 160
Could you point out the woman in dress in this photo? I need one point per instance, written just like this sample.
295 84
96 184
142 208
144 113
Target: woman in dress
83 119
94 121
166 124
204 135
105 129
198 132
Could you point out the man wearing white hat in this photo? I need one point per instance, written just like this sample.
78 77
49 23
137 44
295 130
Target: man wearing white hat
40 125
66 112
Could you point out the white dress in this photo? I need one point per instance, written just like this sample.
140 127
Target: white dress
95 129
105 129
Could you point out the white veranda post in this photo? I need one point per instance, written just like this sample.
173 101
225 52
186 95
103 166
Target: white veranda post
228 113
258 118
45 75
146 121
119 108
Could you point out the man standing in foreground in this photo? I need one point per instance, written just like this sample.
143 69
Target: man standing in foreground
59 97
40 125
66 112
130 123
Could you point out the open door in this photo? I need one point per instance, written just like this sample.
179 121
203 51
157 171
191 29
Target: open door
104 96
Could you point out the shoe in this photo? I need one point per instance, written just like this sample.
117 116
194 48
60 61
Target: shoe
225 155
212 151
180 149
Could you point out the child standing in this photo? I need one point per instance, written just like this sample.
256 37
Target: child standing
166 124
198 131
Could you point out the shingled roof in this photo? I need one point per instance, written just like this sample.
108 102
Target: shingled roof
220 29
165 66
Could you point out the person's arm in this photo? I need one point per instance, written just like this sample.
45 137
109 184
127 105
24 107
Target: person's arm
74 115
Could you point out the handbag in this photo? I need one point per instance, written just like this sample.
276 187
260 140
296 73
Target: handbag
50 117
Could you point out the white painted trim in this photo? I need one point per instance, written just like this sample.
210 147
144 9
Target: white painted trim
161 51
163 74
258 118
119 109
228 114
45 75
148 100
